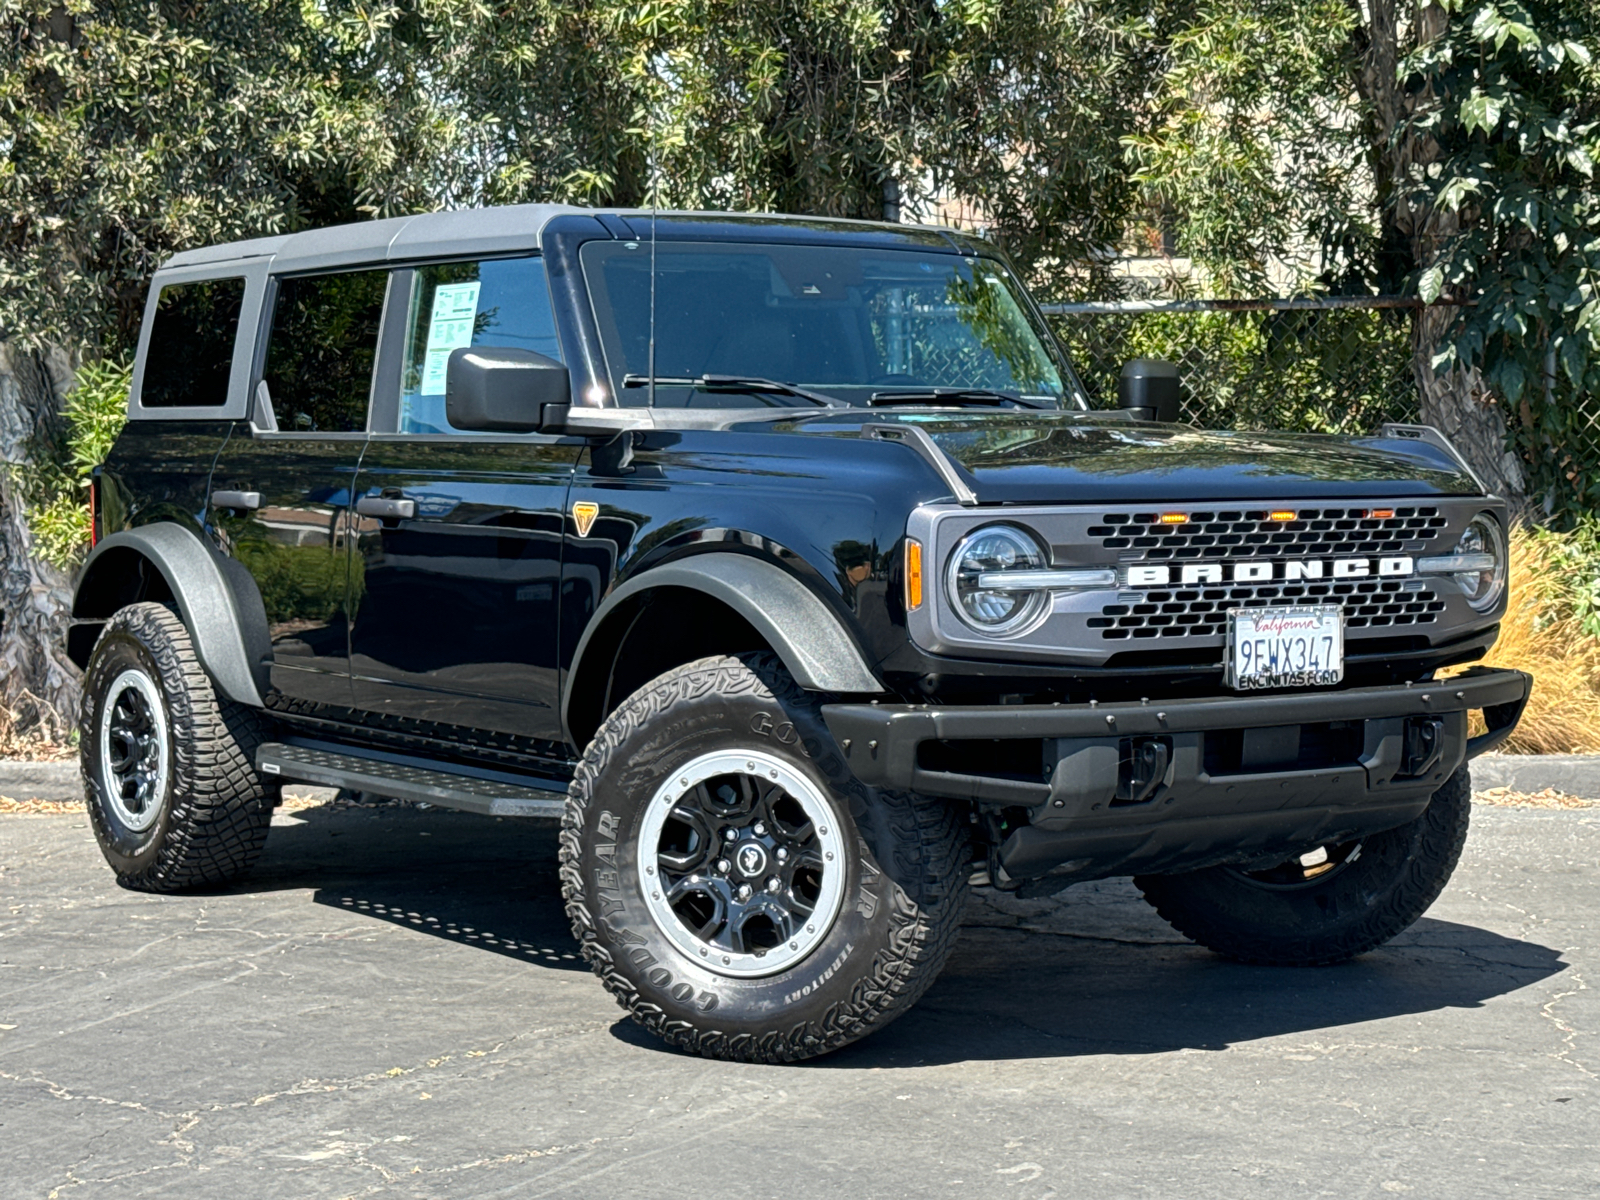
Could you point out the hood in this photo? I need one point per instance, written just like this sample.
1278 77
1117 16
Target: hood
1016 457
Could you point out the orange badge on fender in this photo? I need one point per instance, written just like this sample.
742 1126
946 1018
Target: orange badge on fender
584 512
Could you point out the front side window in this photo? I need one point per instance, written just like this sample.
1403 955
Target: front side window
190 352
324 343
855 324
498 302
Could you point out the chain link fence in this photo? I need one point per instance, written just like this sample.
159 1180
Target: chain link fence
1332 365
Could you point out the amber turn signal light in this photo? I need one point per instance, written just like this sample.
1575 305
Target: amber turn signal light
1281 514
913 574
1174 518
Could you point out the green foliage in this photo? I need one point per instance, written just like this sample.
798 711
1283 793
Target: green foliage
1447 147
1574 581
1304 144
1515 116
131 130
1335 371
57 490
812 106
1253 153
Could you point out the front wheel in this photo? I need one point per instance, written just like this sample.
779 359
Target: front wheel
1328 904
734 886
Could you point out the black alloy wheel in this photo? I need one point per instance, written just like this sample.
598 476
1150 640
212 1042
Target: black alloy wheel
737 890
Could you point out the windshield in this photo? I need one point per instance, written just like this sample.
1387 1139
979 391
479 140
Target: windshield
862 326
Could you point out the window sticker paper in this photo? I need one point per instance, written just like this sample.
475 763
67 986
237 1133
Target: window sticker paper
455 307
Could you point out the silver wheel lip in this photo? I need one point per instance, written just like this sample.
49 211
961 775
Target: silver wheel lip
139 681
809 796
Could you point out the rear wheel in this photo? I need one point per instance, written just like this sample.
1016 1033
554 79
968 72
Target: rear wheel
734 886
168 764
1331 902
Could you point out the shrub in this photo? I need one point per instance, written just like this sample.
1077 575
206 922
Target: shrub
1552 629
58 491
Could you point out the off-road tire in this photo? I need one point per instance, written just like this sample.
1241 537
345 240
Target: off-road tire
905 887
214 809
1358 907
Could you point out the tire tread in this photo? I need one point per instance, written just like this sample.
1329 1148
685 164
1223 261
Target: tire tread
222 809
1439 835
929 844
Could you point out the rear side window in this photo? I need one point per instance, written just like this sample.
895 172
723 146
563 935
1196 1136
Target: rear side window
499 302
190 352
324 343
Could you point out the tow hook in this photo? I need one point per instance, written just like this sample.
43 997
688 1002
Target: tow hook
1424 742
1142 768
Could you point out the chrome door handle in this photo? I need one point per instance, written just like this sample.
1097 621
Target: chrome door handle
232 499
390 508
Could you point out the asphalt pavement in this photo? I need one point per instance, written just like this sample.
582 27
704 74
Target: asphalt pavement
391 1006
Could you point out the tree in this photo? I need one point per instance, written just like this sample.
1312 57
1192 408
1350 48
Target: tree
129 131
1442 148
1506 215
832 107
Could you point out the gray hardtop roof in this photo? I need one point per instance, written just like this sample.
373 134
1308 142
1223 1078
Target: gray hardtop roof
463 231
467 231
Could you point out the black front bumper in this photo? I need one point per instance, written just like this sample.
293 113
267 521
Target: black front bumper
1205 807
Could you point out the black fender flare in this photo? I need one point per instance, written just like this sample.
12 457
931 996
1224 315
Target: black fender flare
799 626
215 596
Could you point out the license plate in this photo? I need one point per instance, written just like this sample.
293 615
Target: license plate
1299 646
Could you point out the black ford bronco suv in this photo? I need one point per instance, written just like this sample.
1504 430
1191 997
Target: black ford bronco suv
783 561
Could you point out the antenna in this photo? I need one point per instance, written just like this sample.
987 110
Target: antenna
650 133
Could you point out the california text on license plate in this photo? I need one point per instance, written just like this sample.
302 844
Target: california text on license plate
1302 646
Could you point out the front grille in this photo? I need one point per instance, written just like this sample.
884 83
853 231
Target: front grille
1247 534
1203 612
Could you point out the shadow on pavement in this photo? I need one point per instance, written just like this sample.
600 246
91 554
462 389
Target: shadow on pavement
479 881
1115 982
1013 994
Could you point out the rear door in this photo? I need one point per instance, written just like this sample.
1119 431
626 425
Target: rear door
281 490
455 583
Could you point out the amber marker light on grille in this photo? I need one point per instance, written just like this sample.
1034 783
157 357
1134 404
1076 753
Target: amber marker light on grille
1281 514
1383 514
1174 518
913 574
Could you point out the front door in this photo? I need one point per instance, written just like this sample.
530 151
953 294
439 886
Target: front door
455 580
282 485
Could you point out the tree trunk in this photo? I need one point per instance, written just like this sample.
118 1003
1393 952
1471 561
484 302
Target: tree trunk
1466 412
38 683
1456 403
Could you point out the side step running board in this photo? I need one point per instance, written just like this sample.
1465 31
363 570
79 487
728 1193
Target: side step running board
491 793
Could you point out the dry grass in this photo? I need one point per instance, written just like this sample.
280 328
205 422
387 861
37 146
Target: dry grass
32 746
1549 798
292 802
39 808
1544 632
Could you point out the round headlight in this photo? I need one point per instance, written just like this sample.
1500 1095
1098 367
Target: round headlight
1486 543
987 552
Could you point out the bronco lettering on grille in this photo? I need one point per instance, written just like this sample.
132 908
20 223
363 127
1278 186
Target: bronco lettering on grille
1260 571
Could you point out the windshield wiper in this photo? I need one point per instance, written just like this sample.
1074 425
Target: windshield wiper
731 383
953 395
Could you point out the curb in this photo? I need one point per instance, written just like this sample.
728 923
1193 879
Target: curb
1574 774
59 781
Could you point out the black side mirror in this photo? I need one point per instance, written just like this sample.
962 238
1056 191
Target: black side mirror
502 389
1148 390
